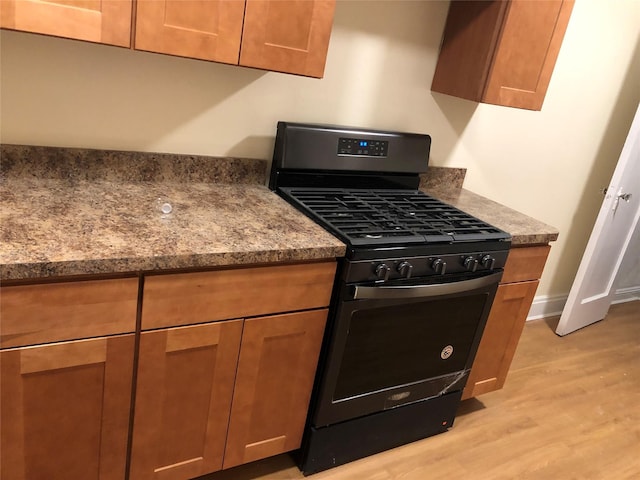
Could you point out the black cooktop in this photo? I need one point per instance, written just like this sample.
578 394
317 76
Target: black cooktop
389 217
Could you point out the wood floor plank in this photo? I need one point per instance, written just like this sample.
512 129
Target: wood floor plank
570 410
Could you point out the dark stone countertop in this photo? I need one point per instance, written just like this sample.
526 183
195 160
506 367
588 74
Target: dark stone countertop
524 230
66 212
78 211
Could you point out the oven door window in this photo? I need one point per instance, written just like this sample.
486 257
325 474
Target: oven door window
394 345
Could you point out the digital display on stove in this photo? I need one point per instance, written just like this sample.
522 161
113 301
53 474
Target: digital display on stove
363 147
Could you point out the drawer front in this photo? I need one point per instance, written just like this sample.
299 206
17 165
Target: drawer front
525 263
52 312
188 298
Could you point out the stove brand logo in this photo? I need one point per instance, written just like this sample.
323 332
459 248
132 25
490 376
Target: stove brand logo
446 352
398 396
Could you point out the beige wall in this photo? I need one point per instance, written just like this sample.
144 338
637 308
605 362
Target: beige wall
547 164
629 274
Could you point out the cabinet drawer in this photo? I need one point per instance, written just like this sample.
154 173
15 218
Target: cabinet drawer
42 313
525 263
187 298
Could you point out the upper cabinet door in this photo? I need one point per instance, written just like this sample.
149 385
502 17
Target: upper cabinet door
526 54
289 36
102 21
204 29
501 52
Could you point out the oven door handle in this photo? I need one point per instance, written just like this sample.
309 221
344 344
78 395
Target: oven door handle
418 291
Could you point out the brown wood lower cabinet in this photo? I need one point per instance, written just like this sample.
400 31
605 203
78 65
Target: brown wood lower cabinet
500 338
208 394
252 377
277 365
183 398
506 320
65 409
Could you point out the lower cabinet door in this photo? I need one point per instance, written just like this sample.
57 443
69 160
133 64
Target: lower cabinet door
65 409
500 338
276 370
183 398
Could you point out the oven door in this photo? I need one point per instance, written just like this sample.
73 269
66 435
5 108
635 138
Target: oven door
391 345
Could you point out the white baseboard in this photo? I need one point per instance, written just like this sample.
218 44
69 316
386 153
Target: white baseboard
550 306
546 306
627 294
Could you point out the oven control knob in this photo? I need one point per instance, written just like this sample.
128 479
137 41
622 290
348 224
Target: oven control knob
488 262
439 266
471 263
405 269
382 271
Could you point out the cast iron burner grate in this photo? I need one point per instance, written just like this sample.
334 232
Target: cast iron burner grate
369 217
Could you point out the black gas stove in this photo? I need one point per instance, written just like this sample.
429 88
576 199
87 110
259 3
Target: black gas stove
367 194
412 295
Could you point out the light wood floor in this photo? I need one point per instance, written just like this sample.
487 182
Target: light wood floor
570 410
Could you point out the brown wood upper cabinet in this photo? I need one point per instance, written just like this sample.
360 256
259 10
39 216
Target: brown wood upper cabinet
101 21
289 36
208 30
501 52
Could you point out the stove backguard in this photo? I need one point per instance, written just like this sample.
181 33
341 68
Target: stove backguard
340 151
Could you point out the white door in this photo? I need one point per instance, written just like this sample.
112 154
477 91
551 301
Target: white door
593 288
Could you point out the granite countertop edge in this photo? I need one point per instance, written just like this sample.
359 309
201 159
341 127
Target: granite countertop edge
136 265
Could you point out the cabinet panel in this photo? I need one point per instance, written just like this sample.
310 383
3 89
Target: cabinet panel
204 29
500 338
183 398
102 21
44 313
288 36
469 40
276 369
527 52
188 298
501 52
65 409
525 263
